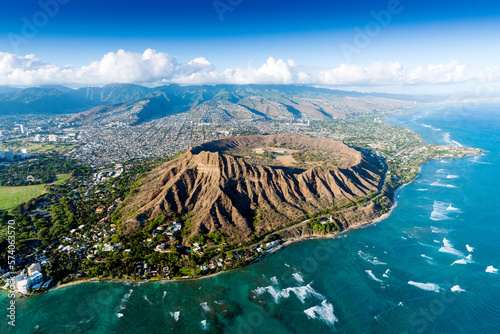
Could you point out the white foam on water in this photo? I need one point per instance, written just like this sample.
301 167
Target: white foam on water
451 208
370 258
422 189
437 241
400 304
274 280
441 211
124 300
298 277
146 299
269 289
491 269
457 288
175 315
469 257
438 230
323 312
164 294
119 315
287 265
373 277
439 184
205 307
461 261
204 325
301 292
452 176
403 238
449 141
469 248
426 286
441 171
430 127
448 248
386 274
444 162
427 257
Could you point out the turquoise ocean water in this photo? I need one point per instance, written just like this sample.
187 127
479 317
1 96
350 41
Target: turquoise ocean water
428 268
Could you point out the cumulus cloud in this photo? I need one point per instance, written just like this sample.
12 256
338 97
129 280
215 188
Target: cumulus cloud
153 67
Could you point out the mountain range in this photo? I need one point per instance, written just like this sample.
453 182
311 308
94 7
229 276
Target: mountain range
234 101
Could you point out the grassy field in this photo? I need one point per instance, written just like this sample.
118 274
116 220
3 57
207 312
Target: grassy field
10 197
35 147
61 179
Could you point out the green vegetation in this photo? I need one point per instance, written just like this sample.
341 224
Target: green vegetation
42 170
10 197
37 147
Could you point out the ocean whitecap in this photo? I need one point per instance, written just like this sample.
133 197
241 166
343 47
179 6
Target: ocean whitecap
323 312
491 269
205 307
448 248
175 315
373 277
301 292
298 277
457 288
369 258
426 286
461 261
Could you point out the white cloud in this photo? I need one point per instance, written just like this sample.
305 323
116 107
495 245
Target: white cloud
153 67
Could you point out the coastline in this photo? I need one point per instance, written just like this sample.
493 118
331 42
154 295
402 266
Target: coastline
286 242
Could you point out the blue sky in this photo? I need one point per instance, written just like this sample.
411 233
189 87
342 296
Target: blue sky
245 33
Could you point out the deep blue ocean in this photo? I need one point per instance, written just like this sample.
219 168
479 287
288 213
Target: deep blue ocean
430 267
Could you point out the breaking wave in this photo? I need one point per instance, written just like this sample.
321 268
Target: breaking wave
449 141
448 248
298 277
370 258
430 127
426 286
491 269
439 184
373 277
457 288
175 315
441 210
323 312
301 292
205 307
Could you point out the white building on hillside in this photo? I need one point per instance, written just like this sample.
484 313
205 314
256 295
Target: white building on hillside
34 268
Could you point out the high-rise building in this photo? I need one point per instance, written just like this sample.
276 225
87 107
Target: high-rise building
34 268
22 128
24 153
52 138
9 154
